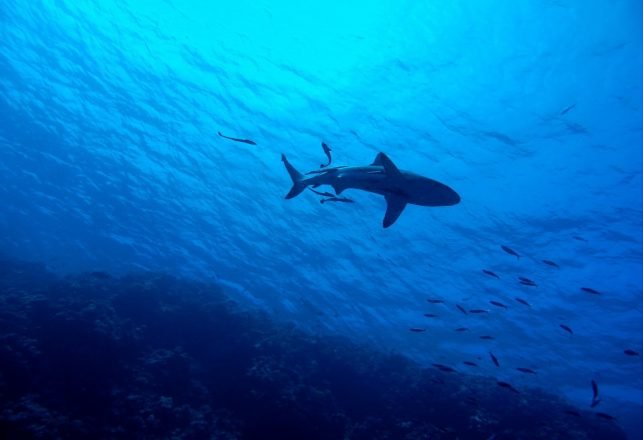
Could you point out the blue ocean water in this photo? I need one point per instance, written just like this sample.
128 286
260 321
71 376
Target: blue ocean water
531 110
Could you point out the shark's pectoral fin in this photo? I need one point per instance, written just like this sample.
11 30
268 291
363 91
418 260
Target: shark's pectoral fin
338 187
394 207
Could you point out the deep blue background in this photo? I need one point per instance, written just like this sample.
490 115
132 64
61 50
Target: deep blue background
531 110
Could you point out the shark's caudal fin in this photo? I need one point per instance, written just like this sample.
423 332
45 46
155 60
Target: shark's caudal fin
296 176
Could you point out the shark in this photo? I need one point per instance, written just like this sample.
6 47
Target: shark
383 177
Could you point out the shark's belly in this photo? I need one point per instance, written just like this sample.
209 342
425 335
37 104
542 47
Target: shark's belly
414 189
375 182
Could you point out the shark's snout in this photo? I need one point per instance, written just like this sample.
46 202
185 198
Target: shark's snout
452 198
429 192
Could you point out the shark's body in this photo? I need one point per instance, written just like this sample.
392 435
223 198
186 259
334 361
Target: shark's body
398 187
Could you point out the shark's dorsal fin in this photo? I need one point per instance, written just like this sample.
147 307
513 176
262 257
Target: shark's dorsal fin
394 207
383 160
378 160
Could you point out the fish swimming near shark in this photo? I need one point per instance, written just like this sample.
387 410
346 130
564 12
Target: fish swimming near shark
322 193
330 197
327 152
244 141
383 177
336 199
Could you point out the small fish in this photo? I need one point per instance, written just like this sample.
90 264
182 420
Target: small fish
571 412
491 274
551 263
327 151
494 359
461 329
605 416
469 363
435 301
430 315
526 370
478 311
567 109
471 400
522 301
576 237
595 394
527 283
337 199
590 290
437 380
323 194
566 328
487 337
245 141
631 352
498 304
444 368
461 308
417 329
510 251
507 386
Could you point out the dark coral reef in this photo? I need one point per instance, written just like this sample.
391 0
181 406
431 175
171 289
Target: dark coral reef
151 356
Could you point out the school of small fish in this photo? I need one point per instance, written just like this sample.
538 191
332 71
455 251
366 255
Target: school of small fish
500 305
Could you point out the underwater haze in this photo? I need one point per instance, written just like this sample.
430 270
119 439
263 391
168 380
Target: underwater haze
146 137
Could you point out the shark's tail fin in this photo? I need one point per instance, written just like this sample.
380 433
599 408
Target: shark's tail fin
297 179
